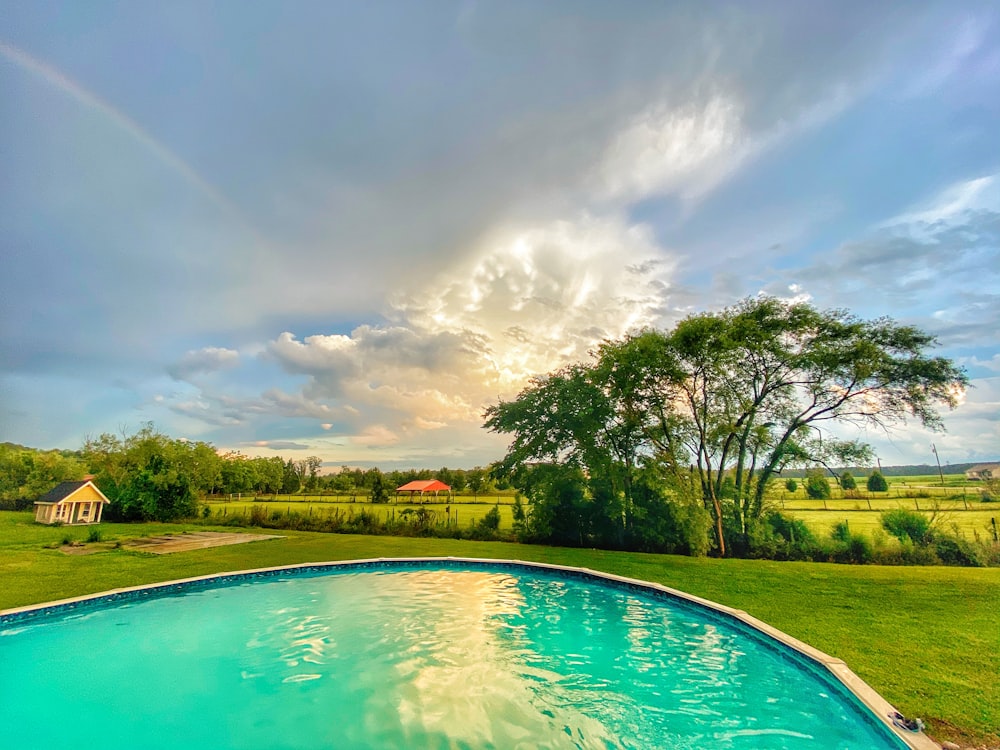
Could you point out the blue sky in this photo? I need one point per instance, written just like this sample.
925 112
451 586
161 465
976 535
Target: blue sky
343 229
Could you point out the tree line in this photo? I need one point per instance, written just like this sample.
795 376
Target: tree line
669 440
148 475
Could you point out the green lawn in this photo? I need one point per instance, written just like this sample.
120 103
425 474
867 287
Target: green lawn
928 639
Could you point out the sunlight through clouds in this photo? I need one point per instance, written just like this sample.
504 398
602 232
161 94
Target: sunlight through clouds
259 227
528 300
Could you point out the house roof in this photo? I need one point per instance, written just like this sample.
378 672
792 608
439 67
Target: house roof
983 467
65 490
425 485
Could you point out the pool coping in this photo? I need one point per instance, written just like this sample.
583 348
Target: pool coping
861 690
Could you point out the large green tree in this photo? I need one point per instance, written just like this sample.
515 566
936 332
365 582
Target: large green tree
726 400
146 475
26 474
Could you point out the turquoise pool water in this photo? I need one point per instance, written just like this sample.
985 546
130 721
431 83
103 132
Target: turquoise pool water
434 656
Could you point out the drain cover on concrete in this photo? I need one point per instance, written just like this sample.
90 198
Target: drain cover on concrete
164 545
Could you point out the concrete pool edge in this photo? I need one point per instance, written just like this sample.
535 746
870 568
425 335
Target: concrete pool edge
835 667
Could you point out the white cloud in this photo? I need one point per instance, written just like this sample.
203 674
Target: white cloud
973 431
992 364
664 149
201 361
279 445
943 252
276 401
952 205
527 300
205 409
375 436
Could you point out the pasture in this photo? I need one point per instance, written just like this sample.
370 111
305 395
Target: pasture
460 514
956 507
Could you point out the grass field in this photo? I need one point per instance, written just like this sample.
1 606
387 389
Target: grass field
819 515
955 486
968 523
926 638
461 514
957 506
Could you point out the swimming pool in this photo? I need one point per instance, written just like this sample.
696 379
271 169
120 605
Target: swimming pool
413 654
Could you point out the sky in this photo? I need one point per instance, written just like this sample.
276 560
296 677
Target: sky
344 229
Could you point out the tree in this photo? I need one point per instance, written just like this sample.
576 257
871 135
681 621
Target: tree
748 390
907 524
847 481
520 516
269 473
476 480
147 475
291 480
26 474
876 482
817 485
378 492
308 470
791 485
573 418
237 473
559 508
991 485
741 393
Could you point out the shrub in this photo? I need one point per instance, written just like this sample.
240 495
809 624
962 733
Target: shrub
487 526
876 482
848 547
817 485
953 550
792 539
907 524
792 530
94 535
906 553
421 520
491 520
258 515
859 549
847 481
840 532
520 517
791 485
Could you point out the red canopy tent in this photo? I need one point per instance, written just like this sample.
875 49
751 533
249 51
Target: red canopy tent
422 486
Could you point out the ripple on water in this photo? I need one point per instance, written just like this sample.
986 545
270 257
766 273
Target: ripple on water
435 658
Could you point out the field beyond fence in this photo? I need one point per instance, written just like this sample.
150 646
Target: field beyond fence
957 506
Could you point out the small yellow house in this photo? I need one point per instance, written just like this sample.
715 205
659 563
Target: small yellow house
71 503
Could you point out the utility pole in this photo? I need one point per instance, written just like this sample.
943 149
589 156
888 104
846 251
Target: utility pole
938 459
